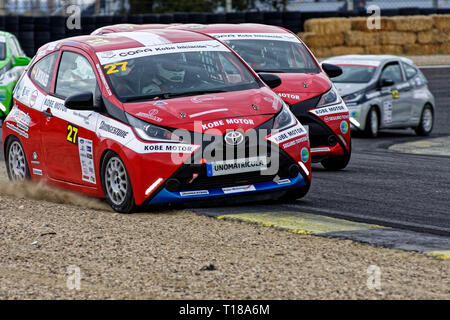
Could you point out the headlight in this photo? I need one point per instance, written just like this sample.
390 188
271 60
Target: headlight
354 96
329 98
150 132
284 119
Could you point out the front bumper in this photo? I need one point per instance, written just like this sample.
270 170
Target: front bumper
326 137
283 184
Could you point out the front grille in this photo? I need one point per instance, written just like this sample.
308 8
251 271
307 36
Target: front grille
186 173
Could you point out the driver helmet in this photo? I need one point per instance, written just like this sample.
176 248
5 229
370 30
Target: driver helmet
173 71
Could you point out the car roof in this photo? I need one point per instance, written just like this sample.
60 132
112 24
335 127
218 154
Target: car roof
367 59
6 34
231 28
133 39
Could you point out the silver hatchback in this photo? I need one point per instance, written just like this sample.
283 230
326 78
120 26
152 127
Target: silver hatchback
384 92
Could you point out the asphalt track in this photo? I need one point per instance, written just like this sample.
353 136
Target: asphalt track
407 193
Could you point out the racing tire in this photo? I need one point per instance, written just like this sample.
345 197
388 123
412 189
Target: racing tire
372 123
116 183
334 163
426 122
16 161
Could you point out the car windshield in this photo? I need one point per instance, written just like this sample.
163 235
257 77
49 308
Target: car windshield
169 71
266 55
355 74
2 51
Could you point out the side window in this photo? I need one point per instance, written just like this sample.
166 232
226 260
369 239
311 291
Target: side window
392 72
41 73
75 75
13 47
410 71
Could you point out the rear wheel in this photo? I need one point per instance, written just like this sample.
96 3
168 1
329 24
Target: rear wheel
372 123
16 161
333 163
426 122
116 183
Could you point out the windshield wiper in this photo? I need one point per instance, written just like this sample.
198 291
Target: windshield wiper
268 71
145 97
169 95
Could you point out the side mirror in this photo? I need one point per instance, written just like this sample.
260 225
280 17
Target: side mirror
332 70
272 80
21 61
80 101
386 83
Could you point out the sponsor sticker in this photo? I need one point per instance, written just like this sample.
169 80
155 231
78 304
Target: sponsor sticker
219 123
295 142
170 148
387 114
285 135
344 127
283 181
194 193
335 118
113 130
37 172
17 130
305 154
239 189
329 110
33 98
258 36
85 151
289 96
124 54
151 115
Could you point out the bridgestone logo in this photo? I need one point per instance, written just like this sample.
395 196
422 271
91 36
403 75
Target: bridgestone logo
116 131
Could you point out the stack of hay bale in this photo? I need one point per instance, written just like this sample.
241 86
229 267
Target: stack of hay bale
409 35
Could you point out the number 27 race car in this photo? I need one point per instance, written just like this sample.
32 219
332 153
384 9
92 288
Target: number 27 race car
160 116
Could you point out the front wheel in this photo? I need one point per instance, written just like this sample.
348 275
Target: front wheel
426 122
16 161
372 123
116 184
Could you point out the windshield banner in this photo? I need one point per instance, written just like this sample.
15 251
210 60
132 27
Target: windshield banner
256 36
125 54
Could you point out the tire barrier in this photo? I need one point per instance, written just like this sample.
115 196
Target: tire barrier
33 32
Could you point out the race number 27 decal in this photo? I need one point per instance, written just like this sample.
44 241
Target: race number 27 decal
72 133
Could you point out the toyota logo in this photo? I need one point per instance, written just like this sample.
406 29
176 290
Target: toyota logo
234 138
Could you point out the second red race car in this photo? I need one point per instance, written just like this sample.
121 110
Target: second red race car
306 86
161 116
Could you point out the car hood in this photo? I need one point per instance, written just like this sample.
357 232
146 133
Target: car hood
297 87
248 109
345 89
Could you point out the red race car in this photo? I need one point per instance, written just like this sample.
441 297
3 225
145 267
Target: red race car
306 86
161 116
